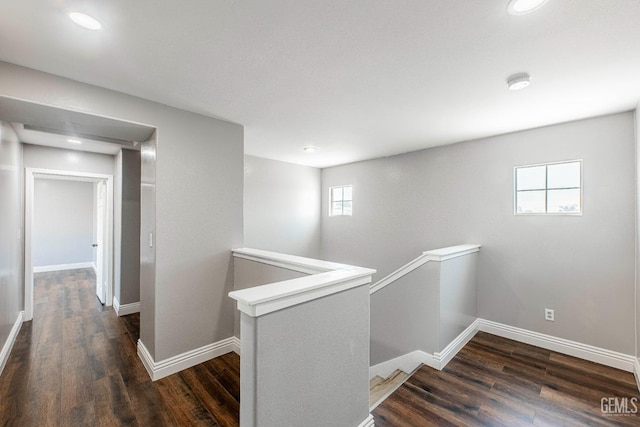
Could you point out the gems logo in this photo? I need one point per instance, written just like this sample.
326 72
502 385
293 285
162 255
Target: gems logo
619 406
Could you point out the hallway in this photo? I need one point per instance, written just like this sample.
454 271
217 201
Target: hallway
75 364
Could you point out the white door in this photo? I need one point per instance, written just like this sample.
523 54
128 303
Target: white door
101 228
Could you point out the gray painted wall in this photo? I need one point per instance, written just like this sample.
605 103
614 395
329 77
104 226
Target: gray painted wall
127 258
581 266
458 297
148 301
321 350
247 274
11 230
405 315
198 212
637 130
63 217
425 309
281 207
41 157
36 156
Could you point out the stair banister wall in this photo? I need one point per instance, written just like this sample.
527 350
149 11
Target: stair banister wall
304 341
419 311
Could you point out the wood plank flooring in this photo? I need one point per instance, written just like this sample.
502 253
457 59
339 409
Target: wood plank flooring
75 364
494 381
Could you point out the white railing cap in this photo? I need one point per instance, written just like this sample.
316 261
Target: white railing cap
436 255
326 278
444 254
291 262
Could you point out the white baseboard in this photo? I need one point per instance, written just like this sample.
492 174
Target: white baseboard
11 339
235 343
368 422
407 363
157 370
449 352
410 361
61 267
560 345
125 309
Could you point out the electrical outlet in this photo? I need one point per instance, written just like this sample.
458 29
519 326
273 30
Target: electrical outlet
549 314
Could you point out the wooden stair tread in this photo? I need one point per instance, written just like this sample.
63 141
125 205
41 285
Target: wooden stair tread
380 388
375 381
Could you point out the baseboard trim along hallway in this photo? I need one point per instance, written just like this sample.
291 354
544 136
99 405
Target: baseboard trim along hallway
410 361
11 339
449 352
368 422
560 345
62 267
166 367
125 309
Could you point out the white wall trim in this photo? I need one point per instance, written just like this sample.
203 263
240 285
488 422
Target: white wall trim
451 252
289 262
410 361
235 342
30 176
561 345
166 367
436 255
260 300
449 352
406 363
61 267
11 339
402 271
125 309
368 422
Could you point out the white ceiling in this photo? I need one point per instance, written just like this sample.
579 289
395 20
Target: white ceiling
358 78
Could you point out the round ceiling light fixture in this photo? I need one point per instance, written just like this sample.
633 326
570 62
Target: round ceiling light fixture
518 81
522 7
310 149
85 21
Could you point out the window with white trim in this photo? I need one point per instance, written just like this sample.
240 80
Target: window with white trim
341 200
552 188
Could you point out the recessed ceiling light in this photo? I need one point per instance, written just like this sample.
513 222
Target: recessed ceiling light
518 81
85 21
74 141
311 149
522 7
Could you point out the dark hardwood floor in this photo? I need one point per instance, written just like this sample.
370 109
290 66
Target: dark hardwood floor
75 364
494 381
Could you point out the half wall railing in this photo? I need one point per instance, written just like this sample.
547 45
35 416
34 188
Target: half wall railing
304 333
419 311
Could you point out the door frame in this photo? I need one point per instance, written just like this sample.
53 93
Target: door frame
30 175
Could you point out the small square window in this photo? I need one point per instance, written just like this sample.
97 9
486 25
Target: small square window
553 188
341 200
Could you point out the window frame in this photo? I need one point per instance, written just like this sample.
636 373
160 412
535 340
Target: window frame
546 189
331 201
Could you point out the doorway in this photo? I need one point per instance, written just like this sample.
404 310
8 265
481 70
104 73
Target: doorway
103 244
